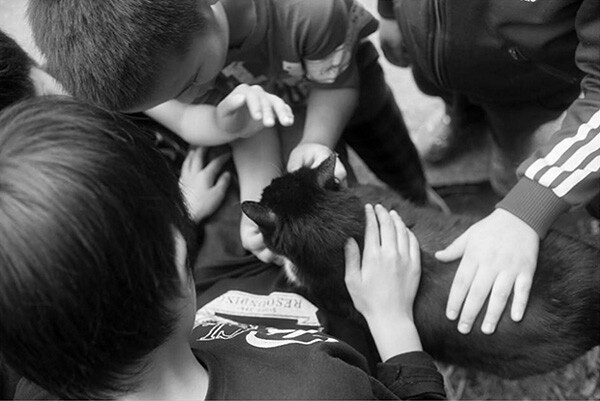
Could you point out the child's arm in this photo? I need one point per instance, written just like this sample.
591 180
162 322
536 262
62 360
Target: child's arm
257 161
245 111
383 289
328 111
499 253
329 51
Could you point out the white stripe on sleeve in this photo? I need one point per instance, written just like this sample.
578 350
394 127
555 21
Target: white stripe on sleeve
576 177
563 146
573 162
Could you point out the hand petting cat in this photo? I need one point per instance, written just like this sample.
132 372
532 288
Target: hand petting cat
384 284
311 154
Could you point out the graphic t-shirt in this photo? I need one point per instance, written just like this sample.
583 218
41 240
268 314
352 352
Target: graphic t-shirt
249 291
294 45
255 362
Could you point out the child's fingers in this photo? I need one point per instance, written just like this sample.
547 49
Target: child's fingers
232 103
254 104
267 256
521 291
284 112
202 152
403 240
479 291
387 231
268 116
414 249
340 173
352 258
185 166
193 163
371 231
216 165
460 285
501 290
197 161
455 250
223 183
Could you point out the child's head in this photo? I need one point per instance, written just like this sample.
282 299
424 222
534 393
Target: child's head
130 55
20 76
88 219
15 65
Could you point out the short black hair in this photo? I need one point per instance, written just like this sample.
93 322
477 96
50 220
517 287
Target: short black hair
88 212
107 52
15 64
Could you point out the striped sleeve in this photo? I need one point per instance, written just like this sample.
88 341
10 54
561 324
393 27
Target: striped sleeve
566 172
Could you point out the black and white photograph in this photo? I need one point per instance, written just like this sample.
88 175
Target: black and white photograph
299 199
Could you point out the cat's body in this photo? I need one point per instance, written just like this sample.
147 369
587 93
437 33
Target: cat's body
305 217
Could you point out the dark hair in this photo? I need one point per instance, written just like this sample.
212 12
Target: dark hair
15 64
88 211
107 52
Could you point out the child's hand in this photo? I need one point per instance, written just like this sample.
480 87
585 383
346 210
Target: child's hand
384 288
312 155
499 253
248 109
203 187
386 284
253 241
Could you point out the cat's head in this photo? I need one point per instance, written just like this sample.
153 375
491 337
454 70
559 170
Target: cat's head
307 217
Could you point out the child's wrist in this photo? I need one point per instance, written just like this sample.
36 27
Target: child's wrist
394 335
383 317
313 141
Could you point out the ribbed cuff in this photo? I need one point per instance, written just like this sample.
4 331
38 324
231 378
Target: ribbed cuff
385 8
412 375
535 204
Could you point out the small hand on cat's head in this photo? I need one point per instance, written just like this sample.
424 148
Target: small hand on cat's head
313 155
286 192
307 216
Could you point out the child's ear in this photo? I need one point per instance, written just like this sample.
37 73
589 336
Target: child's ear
326 170
263 216
181 262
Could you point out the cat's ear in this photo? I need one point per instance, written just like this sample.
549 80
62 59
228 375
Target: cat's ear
263 216
326 170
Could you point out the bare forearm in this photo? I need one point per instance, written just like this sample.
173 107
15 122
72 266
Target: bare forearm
257 161
394 336
328 112
196 124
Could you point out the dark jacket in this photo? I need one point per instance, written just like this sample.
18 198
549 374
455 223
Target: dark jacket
503 50
518 51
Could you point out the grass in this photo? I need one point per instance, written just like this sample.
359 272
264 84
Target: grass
580 380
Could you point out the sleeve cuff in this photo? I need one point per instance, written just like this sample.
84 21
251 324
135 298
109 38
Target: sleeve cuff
535 204
412 375
385 8
415 358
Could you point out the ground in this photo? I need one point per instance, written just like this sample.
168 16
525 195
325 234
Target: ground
463 184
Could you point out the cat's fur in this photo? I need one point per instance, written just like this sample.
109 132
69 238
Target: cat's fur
306 217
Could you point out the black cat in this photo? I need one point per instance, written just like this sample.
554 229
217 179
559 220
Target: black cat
307 217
